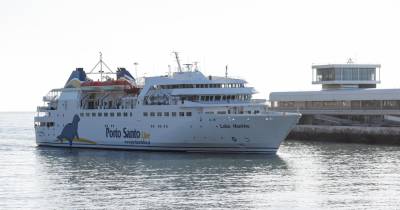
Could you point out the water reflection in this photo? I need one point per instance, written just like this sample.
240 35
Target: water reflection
304 175
166 176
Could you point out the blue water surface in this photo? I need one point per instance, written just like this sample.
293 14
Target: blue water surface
303 175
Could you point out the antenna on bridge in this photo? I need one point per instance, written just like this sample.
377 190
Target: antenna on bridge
226 71
177 60
350 61
136 69
196 66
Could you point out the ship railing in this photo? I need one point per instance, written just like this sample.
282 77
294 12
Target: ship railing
43 108
44 118
251 102
49 98
258 101
52 96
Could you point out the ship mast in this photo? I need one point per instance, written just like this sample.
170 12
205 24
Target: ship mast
101 72
177 61
136 68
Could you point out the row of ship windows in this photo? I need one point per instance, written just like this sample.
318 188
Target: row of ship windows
44 124
167 114
145 114
106 114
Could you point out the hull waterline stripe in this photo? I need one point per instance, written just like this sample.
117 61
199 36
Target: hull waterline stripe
143 146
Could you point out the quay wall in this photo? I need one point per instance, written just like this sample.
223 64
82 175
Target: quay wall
355 134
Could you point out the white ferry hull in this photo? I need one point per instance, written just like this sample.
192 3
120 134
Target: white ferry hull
183 111
203 133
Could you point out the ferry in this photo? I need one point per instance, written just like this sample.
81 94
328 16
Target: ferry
182 111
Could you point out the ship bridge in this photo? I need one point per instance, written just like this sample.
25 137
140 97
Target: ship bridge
194 86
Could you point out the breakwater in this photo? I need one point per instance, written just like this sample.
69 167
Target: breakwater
354 134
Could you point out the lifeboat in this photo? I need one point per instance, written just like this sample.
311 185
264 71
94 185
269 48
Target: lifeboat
105 83
128 87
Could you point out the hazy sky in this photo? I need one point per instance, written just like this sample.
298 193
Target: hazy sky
272 44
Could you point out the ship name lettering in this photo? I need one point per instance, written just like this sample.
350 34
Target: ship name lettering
131 133
241 126
225 126
234 126
113 133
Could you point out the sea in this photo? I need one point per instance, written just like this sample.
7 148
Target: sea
302 175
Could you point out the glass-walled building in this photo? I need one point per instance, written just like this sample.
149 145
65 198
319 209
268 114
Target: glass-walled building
348 97
340 76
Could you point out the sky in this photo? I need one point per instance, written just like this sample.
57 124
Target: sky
270 43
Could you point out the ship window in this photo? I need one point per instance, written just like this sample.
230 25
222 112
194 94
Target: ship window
105 114
221 112
249 112
118 114
209 112
130 114
125 114
166 114
111 114
188 114
100 114
145 114
81 114
93 114
181 114
159 114
87 114
217 98
173 114
152 114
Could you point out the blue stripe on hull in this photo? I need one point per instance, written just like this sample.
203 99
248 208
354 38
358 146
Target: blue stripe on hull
167 148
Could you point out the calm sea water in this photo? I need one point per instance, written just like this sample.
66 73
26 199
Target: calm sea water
303 175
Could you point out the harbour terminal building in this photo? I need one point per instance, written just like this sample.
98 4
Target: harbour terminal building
348 104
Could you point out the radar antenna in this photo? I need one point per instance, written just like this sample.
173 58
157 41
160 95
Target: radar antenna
188 67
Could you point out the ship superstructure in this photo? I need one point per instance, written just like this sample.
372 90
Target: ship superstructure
182 111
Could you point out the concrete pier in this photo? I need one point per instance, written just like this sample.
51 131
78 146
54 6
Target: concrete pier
353 134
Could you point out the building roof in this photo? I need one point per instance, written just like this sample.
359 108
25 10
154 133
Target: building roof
337 95
348 65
